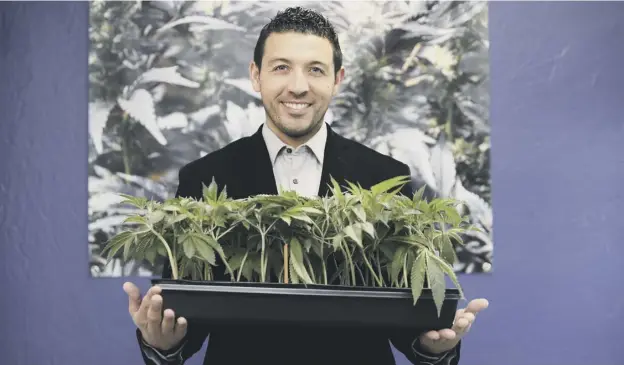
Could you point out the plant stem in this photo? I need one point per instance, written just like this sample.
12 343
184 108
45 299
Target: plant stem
370 268
285 263
324 268
311 272
222 254
262 258
405 270
240 270
172 259
351 268
379 269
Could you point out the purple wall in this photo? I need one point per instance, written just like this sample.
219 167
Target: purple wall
558 172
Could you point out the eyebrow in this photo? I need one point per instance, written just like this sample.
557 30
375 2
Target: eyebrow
289 62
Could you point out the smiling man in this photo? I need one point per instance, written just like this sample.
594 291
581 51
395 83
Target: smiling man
296 74
297 69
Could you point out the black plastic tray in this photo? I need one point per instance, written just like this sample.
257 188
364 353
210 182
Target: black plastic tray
244 303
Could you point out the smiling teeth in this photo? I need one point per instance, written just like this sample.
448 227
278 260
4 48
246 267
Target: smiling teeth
296 105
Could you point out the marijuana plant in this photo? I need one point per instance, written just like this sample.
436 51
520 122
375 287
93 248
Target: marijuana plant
352 237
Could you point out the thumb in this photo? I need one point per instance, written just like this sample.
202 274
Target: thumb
134 297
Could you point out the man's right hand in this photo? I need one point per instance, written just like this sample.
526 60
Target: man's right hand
162 334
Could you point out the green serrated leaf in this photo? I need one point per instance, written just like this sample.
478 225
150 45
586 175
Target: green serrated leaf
188 246
336 190
296 259
150 254
173 219
236 260
253 261
368 228
337 241
128 250
206 252
447 251
136 219
435 278
138 202
119 241
161 250
155 217
448 270
223 196
359 212
355 233
294 278
311 210
417 275
389 184
170 208
210 192
303 218
397 263
286 219
418 196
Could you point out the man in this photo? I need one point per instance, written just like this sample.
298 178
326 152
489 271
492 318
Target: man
297 68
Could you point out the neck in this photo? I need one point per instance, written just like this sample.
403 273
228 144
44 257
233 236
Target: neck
293 141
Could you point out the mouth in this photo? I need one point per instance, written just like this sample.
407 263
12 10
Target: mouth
296 106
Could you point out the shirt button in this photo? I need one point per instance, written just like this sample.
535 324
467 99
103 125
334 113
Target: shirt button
295 181
289 150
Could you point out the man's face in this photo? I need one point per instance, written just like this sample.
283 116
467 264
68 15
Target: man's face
296 82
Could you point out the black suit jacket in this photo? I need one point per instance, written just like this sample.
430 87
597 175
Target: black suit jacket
245 169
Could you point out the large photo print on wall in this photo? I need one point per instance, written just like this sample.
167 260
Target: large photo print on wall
169 83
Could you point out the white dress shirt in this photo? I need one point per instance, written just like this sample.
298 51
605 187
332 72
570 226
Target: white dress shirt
297 169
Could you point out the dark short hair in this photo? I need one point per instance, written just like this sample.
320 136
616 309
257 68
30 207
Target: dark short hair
299 20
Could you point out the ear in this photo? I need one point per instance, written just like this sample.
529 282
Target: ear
254 76
338 80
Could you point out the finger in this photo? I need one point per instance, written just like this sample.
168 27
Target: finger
468 317
168 323
463 323
154 316
477 305
447 334
141 315
134 297
432 335
459 313
180 329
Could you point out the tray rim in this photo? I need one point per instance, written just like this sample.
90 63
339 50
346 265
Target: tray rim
314 290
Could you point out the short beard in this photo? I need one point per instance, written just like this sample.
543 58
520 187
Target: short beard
299 133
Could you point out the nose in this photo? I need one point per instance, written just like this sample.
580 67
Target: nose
298 83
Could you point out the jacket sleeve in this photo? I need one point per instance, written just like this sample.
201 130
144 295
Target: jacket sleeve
409 346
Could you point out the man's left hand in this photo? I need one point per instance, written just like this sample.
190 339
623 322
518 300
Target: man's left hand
436 342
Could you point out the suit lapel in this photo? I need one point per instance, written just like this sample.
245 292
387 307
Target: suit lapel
334 164
257 176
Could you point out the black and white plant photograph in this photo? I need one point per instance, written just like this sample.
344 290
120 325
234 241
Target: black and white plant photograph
169 83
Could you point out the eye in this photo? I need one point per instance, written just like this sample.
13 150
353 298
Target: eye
280 68
317 70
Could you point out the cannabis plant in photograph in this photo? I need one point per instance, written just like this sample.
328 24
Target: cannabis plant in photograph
354 237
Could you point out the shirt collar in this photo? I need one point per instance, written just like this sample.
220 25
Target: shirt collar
275 145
